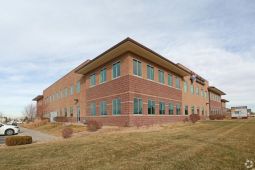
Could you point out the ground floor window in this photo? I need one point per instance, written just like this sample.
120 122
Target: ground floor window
138 106
193 110
178 109
186 110
65 111
71 111
162 108
93 109
171 109
151 107
103 107
116 108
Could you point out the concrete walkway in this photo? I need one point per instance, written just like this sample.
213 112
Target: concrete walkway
38 136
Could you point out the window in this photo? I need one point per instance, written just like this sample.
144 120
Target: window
185 87
205 94
151 107
116 70
192 89
162 108
161 78
103 107
198 110
150 72
177 82
137 68
71 90
203 110
197 91
71 111
178 109
202 93
93 109
193 110
171 109
65 111
103 75
78 86
92 79
186 110
138 106
66 92
116 107
170 80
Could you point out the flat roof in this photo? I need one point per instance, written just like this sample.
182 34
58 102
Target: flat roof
130 45
216 90
39 97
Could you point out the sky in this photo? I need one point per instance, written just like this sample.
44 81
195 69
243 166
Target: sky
40 41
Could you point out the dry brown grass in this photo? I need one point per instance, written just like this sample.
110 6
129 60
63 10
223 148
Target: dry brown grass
206 145
54 128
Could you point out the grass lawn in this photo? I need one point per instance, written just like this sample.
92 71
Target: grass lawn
205 145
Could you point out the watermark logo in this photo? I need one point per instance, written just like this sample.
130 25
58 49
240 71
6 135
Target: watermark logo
249 164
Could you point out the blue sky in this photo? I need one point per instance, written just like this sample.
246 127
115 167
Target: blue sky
40 41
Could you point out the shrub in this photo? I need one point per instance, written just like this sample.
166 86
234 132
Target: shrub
93 125
194 118
67 132
36 123
212 117
61 119
18 140
186 119
217 117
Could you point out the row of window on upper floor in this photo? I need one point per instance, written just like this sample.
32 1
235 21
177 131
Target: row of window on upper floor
215 97
137 71
195 90
67 91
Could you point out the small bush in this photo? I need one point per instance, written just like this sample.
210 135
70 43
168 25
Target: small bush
18 140
212 117
217 117
67 132
93 125
36 123
61 119
186 119
194 118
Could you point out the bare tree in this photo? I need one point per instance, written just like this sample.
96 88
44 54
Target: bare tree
30 112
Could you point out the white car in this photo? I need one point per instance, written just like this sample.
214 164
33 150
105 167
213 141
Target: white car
8 129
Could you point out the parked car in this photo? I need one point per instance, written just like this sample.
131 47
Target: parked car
8 129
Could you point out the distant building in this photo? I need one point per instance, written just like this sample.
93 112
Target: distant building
239 112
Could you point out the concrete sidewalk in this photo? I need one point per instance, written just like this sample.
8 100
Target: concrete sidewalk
38 136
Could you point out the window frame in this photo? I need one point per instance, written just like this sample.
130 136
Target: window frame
150 72
117 69
137 67
117 104
103 75
151 107
139 106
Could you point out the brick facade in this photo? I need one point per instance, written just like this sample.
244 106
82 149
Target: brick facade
63 99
